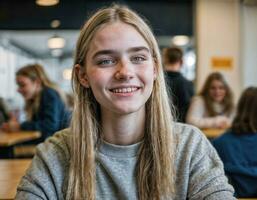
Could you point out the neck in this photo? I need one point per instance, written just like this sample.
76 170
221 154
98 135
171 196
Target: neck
173 67
123 129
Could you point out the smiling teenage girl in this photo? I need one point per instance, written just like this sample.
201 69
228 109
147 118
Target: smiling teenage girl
122 143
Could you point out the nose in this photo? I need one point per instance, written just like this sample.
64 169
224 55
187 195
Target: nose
124 70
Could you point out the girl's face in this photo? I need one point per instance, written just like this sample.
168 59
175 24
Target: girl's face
27 87
217 91
119 69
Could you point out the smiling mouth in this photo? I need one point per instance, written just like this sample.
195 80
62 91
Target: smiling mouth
124 90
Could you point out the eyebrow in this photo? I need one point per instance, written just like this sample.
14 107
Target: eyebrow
142 48
130 50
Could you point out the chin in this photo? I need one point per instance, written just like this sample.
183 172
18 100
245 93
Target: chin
219 100
128 110
27 98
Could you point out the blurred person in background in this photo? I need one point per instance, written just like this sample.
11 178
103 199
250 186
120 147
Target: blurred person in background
45 103
237 148
4 115
213 107
180 89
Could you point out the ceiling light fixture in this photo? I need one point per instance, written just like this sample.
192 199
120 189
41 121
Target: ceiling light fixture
56 42
47 2
56 52
55 23
180 40
67 74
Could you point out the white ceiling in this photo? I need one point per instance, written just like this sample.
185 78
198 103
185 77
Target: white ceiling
35 42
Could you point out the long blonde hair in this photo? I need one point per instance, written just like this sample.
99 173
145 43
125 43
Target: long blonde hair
155 169
36 72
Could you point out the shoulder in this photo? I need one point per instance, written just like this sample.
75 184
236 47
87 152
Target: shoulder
185 82
55 147
47 175
50 95
185 133
225 138
46 91
189 83
198 100
190 142
172 76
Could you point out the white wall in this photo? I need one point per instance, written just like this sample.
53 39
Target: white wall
10 61
249 45
7 73
217 35
54 68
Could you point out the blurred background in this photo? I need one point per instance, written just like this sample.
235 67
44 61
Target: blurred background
215 35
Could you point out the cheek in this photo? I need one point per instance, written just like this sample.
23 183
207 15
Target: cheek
97 81
212 93
25 89
94 76
150 76
223 92
30 88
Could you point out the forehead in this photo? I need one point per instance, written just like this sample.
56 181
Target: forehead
116 35
21 78
217 83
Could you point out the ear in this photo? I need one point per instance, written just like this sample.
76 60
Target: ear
81 74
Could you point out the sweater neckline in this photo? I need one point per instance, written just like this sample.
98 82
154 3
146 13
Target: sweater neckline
119 151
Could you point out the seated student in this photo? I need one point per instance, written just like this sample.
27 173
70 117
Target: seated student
238 146
213 107
122 143
44 103
181 90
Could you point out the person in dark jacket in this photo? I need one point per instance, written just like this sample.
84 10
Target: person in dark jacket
45 103
180 89
237 148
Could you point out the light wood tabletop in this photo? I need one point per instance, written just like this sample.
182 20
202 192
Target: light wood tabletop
247 199
8 139
11 173
212 132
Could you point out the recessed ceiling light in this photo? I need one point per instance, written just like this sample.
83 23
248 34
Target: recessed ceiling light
180 40
56 52
47 2
55 23
67 73
56 42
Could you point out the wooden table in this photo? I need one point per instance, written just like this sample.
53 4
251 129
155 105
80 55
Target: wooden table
11 173
247 199
212 132
8 140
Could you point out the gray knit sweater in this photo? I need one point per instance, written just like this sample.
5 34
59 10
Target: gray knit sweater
199 171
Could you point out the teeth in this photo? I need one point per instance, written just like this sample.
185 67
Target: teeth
124 90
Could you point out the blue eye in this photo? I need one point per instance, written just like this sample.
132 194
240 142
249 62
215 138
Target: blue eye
106 62
138 59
